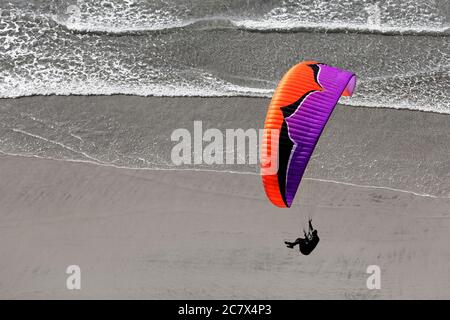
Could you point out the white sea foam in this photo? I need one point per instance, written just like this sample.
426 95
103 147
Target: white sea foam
394 17
368 93
21 88
40 65
263 25
290 26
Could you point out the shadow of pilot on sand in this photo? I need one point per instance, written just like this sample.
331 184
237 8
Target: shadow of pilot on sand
307 244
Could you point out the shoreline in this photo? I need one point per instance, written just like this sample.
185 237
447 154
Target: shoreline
180 169
397 149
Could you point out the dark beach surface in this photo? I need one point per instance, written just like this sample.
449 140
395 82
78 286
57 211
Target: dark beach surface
169 233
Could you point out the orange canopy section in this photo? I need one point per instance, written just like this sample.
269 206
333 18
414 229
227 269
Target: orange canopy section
295 83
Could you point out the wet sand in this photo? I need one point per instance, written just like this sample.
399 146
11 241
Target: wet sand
399 149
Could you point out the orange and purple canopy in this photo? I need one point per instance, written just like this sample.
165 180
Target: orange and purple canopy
299 110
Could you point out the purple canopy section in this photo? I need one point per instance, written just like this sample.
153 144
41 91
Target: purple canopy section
306 124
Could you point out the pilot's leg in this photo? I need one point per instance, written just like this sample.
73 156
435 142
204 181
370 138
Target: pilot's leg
292 244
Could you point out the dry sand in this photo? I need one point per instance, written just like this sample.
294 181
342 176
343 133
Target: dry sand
185 234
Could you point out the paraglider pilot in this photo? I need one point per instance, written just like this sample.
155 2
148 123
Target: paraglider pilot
307 244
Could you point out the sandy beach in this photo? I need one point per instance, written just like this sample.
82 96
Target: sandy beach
184 234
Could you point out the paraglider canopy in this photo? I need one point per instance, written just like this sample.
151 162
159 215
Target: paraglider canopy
300 108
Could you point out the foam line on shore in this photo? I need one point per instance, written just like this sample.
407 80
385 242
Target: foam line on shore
221 171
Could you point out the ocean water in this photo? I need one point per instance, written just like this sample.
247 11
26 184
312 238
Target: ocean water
399 49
